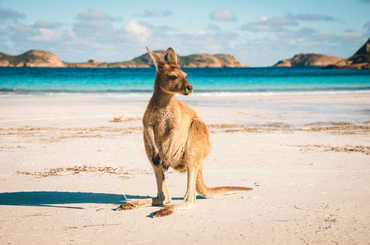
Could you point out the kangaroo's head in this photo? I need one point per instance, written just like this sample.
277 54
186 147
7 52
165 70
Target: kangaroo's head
169 78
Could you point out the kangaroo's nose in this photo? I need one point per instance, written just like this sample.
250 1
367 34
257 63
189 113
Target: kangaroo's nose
189 88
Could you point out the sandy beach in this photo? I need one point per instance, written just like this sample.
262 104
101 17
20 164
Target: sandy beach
67 160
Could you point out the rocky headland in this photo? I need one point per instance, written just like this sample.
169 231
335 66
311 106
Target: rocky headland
359 60
310 59
31 58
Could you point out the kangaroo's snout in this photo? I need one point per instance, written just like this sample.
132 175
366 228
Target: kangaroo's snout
188 88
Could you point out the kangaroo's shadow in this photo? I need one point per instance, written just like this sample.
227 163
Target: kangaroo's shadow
55 198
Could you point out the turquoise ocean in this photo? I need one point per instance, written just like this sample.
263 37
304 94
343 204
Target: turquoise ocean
205 80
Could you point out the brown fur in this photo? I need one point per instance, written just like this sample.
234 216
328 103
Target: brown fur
175 137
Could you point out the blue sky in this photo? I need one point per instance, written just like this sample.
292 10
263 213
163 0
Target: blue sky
257 32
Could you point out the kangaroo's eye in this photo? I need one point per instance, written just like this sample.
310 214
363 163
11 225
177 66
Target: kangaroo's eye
172 77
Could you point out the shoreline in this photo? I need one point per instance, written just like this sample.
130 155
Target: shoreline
360 67
4 92
293 109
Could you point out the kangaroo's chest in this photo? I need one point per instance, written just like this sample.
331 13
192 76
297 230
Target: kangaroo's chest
170 133
164 123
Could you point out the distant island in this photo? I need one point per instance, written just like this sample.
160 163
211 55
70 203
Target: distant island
311 59
40 58
359 60
31 58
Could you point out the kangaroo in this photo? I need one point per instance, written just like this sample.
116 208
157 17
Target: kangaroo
174 136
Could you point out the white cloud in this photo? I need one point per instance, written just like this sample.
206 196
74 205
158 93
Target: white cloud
223 15
263 18
149 13
139 30
203 41
46 24
213 27
17 27
33 33
312 17
95 15
367 26
7 14
71 33
46 35
269 24
94 26
353 34
282 24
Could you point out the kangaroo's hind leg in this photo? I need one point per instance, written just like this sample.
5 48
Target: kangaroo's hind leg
190 194
197 148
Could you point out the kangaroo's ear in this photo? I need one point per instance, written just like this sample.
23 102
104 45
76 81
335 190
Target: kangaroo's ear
156 59
170 57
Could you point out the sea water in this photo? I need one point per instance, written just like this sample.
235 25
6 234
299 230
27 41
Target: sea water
205 80
291 95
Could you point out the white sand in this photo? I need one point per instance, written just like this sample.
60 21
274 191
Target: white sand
303 194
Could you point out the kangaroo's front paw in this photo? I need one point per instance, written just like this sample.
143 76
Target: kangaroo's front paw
127 206
156 160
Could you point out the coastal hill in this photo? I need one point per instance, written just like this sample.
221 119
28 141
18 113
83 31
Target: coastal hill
189 61
362 55
311 59
39 58
359 60
207 60
31 58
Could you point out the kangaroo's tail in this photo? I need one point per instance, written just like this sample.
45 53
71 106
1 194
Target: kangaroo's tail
208 192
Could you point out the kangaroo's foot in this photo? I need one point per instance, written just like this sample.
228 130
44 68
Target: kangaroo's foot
190 198
161 200
170 209
134 204
163 212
